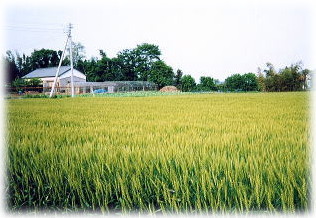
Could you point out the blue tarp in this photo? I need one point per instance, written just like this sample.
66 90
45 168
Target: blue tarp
99 91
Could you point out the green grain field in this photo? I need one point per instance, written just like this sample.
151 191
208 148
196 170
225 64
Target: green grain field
203 153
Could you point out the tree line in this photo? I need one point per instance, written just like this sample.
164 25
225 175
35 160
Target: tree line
144 63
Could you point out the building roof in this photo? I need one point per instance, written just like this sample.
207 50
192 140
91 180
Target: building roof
46 72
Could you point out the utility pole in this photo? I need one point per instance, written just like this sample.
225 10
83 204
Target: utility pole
71 64
57 72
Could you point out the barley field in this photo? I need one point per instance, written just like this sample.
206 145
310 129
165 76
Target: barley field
203 153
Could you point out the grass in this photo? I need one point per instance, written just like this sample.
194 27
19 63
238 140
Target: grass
206 153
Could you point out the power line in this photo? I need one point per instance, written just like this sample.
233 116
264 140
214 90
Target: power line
26 27
41 25
32 29
38 43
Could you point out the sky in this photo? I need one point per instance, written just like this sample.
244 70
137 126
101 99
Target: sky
202 38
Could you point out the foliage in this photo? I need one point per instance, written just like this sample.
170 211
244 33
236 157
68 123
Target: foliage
180 153
136 63
207 84
105 69
19 83
261 81
187 83
161 74
10 66
177 78
234 82
146 57
25 64
34 82
250 82
78 54
291 78
246 82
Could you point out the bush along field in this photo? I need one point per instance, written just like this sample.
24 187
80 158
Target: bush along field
206 153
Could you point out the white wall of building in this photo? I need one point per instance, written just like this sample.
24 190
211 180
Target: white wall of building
76 74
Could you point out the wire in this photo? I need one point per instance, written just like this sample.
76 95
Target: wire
26 29
39 42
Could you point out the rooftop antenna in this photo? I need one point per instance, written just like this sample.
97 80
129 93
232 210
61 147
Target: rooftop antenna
68 40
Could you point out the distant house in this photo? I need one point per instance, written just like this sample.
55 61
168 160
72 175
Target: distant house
47 75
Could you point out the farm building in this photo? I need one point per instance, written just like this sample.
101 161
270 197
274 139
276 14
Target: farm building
47 75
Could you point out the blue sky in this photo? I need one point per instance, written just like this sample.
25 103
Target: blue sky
202 38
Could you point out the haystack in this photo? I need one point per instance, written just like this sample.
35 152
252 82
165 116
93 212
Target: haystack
169 89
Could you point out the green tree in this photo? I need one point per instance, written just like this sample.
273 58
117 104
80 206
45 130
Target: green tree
187 83
10 66
291 78
127 60
44 58
89 69
146 55
270 71
34 82
19 83
108 69
78 53
135 64
261 81
249 82
245 82
207 84
234 82
177 78
161 74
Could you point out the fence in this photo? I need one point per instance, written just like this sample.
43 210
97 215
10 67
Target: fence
36 90
87 87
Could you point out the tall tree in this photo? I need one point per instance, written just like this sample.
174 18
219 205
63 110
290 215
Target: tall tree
127 60
270 71
246 82
261 80
136 63
287 79
146 55
44 58
11 70
177 78
89 68
234 82
207 84
78 54
249 82
161 74
188 83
